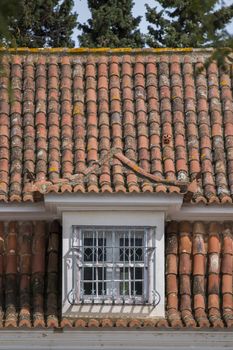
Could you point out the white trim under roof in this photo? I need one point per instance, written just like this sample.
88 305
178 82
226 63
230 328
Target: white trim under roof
168 203
172 204
25 212
212 212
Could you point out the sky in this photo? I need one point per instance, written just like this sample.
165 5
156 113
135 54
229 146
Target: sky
139 10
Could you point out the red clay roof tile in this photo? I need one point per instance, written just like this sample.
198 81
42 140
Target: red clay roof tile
68 111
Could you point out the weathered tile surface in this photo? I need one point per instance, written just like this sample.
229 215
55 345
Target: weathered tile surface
199 274
30 274
63 114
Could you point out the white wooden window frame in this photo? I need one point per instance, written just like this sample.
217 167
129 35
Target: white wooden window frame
111 265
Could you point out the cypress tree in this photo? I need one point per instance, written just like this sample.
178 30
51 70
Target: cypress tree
43 23
111 25
188 23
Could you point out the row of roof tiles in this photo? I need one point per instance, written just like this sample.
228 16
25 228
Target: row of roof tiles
199 274
29 276
167 113
198 277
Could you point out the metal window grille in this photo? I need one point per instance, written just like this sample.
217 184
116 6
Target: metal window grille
113 265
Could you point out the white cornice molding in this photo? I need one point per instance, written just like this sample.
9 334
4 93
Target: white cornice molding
171 205
194 212
113 201
55 204
25 211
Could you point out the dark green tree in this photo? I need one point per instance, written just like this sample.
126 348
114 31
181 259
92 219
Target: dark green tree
42 23
111 25
7 10
188 23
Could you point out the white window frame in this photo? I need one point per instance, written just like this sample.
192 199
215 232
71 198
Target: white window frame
111 265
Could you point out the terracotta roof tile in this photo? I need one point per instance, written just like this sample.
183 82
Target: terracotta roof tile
122 323
107 322
206 301
80 323
66 113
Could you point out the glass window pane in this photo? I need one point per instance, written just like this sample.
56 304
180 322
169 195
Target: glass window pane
87 288
101 249
138 288
138 273
88 252
102 283
138 252
124 285
88 274
136 281
112 260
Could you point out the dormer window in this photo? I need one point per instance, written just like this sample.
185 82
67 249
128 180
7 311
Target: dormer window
113 255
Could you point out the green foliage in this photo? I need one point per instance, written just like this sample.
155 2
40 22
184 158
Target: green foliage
188 23
41 23
7 10
111 25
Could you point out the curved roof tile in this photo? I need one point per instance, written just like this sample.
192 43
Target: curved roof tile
62 112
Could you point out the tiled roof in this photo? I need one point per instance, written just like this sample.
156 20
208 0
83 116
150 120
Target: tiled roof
29 274
198 277
62 113
199 274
